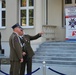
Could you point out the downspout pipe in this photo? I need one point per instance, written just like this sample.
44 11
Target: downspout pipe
46 12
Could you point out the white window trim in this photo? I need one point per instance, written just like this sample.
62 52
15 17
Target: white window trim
27 20
1 9
0 13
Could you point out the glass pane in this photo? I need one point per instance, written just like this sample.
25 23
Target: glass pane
31 13
3 22
3 4
3 14
68 1
23 21
75 1
23 3
31 16
31 22
23 13
3 18
31 2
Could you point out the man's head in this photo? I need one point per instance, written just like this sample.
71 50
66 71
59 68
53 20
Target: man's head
18 29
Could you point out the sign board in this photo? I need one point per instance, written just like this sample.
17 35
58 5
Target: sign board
70 15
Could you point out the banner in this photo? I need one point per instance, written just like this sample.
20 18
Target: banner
70 15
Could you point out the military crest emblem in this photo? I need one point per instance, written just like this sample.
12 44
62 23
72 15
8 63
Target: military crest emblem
72 23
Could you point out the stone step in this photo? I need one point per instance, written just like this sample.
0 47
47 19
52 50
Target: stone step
55 50
63 53
59 42
72 45
56 55
56 58
56 62
58 47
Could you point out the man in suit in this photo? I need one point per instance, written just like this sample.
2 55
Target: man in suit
28 53
16 57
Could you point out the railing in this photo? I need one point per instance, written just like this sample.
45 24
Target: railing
49 32
44 70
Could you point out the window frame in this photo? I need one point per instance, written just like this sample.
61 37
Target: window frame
27 12
69 2
2 9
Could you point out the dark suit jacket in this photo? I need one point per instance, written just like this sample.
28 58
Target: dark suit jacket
27 48
15 48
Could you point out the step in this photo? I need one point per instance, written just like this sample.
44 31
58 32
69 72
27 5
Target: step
58 44
61 53
56 58
56 62
56 52
58 47
56 55
50 49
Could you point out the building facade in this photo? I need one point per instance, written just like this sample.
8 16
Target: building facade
33 16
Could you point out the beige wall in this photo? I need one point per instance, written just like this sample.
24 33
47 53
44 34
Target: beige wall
12 17
55 18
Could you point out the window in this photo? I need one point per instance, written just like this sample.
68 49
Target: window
75 1
2 13
26 15
68 1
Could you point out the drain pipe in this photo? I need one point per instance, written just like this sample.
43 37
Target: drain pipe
46 12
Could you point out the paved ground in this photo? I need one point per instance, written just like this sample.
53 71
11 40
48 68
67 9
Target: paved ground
38 69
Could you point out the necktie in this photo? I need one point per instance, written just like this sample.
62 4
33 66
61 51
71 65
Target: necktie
22 41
